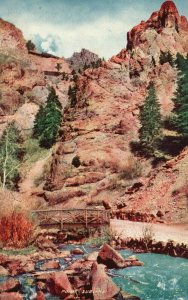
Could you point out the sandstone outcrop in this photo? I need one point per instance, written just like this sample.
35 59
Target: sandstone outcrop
81 59
98 128
104 120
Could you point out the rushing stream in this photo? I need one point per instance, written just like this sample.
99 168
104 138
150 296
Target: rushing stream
161 278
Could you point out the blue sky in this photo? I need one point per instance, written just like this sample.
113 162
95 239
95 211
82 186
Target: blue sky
65 26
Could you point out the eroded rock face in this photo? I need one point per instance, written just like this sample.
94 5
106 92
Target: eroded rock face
11 38
80 59
159 23
165 192
25 78
99 129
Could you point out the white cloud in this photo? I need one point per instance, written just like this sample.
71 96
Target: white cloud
105 36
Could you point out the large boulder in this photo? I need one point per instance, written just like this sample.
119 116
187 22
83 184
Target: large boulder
52 264
110 257
40 296
17 266
59 285
3 271
10 285
102 286
77 251
11 296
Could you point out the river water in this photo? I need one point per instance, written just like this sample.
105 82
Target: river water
161 278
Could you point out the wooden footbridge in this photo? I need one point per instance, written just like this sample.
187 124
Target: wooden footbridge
73 218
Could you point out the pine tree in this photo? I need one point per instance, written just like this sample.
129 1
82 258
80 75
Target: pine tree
58 67
9 156
181 96
48 120
150 119
72 95
30 46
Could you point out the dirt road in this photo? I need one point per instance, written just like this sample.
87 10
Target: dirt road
161 232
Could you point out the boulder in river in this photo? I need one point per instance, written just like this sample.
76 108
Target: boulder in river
10 285
16 267
110 257
3 271
51 264
77 251
102 286
59 285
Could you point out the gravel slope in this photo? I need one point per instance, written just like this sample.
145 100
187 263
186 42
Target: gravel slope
161 232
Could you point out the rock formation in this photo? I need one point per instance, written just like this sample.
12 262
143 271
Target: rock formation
99 129
81 59
93 164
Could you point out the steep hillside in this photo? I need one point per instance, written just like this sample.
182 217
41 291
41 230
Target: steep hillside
93 163
25 77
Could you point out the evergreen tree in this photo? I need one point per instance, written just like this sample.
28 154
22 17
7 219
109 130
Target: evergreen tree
48 120
30 46
72 95
166 57
181 96
150 119
10 156
58 67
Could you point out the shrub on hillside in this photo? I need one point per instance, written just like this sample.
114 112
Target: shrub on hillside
16 230
131 169
30 45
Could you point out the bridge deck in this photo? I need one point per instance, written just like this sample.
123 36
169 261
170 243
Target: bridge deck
73 218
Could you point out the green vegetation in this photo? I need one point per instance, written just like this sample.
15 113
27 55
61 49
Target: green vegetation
166 57
105 236
10 157
181 97
48 121
94 64
33 152
58 67
30 45
23 251
4 59
72 95
150 118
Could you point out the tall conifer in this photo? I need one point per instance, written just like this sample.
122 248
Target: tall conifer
48 120
150 119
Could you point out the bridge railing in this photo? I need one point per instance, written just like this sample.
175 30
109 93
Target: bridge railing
73 217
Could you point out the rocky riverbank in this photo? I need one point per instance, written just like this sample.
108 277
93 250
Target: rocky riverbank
73 274
141 246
